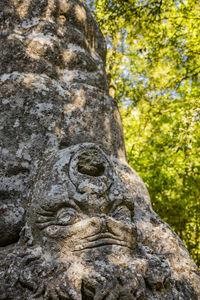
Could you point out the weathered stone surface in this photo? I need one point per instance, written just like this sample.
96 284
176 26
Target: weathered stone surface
75 220
53 93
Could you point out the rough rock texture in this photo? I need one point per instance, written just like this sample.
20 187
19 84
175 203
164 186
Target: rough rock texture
75 220
53 94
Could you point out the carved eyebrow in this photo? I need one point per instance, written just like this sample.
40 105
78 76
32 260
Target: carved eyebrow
122 202
44 221
44 212
45 224
51 210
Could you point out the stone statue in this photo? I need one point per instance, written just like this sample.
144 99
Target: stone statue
80 237
75 220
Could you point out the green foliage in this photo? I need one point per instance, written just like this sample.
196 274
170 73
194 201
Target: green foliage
153 57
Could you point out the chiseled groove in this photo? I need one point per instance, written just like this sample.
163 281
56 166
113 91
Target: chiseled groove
103 242
99 236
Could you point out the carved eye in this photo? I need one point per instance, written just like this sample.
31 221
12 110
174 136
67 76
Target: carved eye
122 213
91 164
65 216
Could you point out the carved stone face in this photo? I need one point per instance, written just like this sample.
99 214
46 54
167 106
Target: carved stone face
79 204
83 237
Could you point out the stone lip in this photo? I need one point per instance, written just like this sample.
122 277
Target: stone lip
99 241
144 276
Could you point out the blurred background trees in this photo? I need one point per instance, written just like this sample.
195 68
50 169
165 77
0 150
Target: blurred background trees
153 64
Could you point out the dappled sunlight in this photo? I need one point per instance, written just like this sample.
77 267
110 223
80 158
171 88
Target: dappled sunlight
65 6
81 14
22 7
50 9
46 42
37 47
68 55
59 132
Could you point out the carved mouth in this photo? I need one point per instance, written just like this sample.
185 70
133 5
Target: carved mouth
99 240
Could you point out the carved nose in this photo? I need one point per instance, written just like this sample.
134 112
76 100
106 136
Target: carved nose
104 226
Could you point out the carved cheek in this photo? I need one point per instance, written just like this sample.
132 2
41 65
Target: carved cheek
81 230
74 232
53 231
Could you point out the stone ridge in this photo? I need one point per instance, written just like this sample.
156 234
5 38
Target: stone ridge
57 38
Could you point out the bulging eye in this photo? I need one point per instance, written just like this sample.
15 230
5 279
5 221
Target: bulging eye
122 213
65 216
